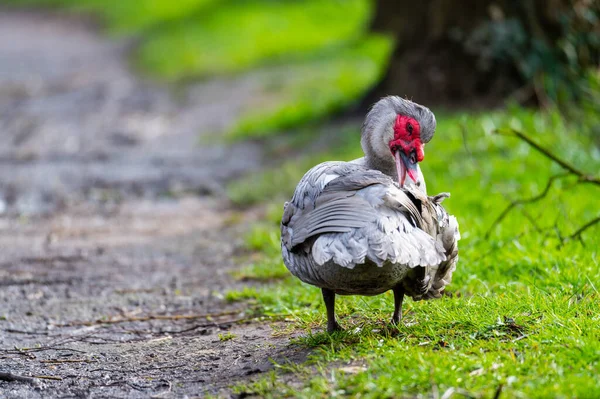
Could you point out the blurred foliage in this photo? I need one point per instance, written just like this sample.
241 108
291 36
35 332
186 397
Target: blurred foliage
316 57
312 57
313 89
278 184
559 61
239 35
127 16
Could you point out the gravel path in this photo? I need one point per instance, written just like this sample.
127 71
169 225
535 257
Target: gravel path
115 242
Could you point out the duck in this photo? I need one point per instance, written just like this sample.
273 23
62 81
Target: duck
367 226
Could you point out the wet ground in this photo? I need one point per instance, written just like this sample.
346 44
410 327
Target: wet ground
115 237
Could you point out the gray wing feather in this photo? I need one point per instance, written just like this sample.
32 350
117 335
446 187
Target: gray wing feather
448 239
355 213
340 215
445 229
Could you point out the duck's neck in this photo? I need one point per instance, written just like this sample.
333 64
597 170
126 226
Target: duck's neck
389 168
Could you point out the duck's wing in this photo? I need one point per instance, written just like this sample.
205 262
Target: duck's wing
448 235
346 213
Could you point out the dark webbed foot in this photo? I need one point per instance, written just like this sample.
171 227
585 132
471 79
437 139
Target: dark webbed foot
333 327
329 298
398 298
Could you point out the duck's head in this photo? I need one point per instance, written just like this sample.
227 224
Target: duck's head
394 134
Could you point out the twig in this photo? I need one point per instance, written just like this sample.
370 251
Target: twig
69 281
48 377
137 387
570 171
165 367
163 393
30 380
531 220
58 361
38 349
54 258
520 338
459 391
14 331
195 327
463 131
14 377
584 178
147 318
578 232
111 371
498 391
513 204
527 216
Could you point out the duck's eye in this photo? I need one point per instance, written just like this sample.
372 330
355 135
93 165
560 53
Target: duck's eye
413 158
409 128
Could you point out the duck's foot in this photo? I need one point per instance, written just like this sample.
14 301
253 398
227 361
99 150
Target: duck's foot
333 327
329 299
398 298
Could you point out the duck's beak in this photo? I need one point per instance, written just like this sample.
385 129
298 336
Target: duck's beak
406 165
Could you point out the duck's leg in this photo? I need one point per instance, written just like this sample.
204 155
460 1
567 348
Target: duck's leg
329 298
398 298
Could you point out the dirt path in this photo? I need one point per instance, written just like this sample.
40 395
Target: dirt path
110 210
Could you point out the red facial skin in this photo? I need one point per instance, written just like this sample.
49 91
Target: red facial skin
406 141
406 147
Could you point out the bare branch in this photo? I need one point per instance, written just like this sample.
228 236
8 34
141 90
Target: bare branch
579 231
15 377
564 164
570 171
38 349
48 377
148 318
29 380
60 361
15 331
513 204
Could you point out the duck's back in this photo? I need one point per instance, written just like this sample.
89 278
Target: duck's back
350 229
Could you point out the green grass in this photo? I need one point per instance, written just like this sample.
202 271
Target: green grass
265 265
226 336
523 316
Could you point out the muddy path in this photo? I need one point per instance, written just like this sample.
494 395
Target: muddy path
115 238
